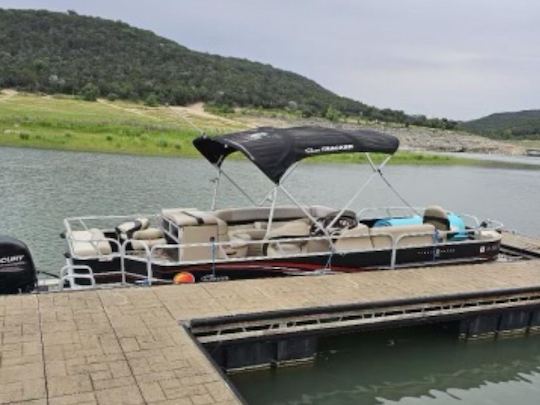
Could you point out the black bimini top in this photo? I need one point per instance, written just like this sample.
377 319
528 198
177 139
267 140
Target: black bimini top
274 150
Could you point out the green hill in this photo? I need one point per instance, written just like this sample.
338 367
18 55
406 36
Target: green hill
507 125
52 52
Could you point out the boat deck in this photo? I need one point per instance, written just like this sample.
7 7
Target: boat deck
128 346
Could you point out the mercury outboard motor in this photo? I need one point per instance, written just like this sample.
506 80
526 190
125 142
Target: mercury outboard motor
17 271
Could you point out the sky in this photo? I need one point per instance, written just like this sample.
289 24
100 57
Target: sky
460 59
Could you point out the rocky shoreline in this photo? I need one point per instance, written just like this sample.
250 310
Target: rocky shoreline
412 138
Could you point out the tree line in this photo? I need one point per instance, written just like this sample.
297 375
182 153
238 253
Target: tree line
52 52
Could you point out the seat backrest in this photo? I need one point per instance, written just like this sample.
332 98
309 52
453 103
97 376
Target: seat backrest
291 229
438 217
184 218
235 216
421 235
354 239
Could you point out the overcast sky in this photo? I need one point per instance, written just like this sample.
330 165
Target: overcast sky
456 58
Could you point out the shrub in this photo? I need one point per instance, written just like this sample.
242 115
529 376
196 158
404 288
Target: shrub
218 108
151 101
89 92
24 136
332 114
112 96
163 143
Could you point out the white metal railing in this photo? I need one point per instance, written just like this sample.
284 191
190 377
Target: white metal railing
68 274
401 210
150 257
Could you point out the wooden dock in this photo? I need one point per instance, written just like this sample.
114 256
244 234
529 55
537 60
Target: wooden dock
130 345
521 243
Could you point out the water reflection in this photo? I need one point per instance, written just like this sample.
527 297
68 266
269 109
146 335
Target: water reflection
423 365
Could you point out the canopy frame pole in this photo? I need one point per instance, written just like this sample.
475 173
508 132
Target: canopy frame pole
216 187
389 185
287 174
376 170
311 217
370 161
237 186
271 214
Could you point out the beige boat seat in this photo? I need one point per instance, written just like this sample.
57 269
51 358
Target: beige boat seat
148 237
89 243
201 227
126 229
276 249
237 246
185 218
292 247
438 217
253 221
298 228
421 235
292 229
258 214
254 234
357 238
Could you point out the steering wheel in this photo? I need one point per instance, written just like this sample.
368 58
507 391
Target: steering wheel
347 220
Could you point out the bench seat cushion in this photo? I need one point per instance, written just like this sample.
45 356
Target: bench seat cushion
89 243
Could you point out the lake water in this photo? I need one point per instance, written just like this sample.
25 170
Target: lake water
420 366
40 188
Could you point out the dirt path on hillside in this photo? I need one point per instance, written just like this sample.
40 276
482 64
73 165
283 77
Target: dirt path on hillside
6 94
184 113
411 138
197 110
127 109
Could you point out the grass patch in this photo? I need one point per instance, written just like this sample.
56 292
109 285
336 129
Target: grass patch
28 120
66 123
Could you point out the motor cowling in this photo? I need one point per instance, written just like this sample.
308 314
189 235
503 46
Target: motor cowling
17 270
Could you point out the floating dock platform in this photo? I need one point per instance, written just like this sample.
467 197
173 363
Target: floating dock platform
147 345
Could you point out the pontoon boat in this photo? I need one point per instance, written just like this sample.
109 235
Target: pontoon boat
187 244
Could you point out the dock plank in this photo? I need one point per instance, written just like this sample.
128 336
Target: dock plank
521 242
125 345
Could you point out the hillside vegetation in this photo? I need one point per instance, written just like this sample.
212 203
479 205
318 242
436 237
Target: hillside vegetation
67 123
63 122
508 125
50 52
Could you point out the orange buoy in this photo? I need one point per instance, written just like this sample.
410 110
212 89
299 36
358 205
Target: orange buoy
184 278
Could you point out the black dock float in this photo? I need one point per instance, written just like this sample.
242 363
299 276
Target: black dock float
277 338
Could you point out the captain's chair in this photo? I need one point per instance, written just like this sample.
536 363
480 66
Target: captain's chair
437 217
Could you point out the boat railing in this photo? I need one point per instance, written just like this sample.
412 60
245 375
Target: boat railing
73 274
150 256
395 242
472 221
101 221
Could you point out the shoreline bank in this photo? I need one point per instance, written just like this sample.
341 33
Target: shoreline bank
407 158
